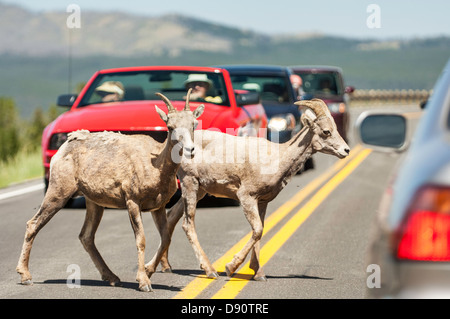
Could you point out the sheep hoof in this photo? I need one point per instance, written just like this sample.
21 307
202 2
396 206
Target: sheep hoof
213 275
115 284
112 279
167 270
146 288
228 271
260 278
28 282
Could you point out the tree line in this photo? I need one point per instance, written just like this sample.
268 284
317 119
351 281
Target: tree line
18 134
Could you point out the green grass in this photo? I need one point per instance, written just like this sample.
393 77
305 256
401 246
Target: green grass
25 166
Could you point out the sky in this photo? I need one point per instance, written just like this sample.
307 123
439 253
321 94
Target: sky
377 19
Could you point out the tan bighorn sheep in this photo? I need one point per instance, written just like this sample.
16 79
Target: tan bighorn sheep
117 171
254 172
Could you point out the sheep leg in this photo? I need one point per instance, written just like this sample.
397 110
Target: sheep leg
134 213
49 207
173 216
190 203
249 205
94 214
254 260
160 220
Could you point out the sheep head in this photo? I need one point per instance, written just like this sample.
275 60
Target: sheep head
326 138
181 125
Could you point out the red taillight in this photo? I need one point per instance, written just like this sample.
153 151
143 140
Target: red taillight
425 233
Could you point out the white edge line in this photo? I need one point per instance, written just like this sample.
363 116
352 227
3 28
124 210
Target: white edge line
22 191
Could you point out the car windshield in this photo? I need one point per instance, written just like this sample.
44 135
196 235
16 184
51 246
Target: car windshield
321 83
270 88
142 85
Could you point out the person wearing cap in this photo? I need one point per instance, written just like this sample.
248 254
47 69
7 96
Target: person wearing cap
200 85
111 91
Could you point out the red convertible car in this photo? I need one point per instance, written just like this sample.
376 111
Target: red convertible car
123 100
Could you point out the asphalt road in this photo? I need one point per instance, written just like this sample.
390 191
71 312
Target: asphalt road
315 246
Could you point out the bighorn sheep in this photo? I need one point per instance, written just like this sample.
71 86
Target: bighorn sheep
117 171
254 180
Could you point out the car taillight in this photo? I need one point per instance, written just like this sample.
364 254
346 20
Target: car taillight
425 233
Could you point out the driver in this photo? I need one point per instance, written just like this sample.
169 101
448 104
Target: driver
200 85
111 91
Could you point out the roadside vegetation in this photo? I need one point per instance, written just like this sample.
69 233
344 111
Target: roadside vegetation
20 140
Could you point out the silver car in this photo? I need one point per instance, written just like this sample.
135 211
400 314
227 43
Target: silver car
409 256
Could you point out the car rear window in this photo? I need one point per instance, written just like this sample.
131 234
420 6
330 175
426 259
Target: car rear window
321 83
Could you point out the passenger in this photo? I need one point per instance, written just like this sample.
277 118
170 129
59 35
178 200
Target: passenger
326 86
252 87
111 91
297 82
200 85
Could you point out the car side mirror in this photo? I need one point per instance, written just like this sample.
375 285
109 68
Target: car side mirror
423 104
349 89
66 100
246 97
382 131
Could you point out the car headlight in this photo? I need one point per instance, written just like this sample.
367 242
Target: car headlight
281 122
336 107
57 140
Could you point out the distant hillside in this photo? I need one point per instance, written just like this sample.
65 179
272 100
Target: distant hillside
34 50
114 33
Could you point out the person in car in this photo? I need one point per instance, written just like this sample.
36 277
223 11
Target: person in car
297 82
327 87
200 85
111 91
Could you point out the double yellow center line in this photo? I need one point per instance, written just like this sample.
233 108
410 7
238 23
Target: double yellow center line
340 170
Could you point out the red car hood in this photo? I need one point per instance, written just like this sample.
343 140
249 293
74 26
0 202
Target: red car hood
125 116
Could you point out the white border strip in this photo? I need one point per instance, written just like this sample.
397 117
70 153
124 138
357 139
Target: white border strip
22 191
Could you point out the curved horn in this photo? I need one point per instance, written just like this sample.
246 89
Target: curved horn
186 107
168 103
317 105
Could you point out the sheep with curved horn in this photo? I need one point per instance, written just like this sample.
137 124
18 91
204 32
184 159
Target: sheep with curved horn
251 170
132 172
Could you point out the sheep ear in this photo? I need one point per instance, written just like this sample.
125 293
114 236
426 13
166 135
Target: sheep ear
199 111
308 117
162 114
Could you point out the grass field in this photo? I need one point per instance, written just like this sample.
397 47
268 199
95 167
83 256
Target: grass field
25 166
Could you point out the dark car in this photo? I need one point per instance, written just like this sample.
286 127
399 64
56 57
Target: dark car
327 83
411 241
277 96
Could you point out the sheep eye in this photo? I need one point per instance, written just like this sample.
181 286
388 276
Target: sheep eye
326 132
